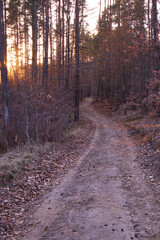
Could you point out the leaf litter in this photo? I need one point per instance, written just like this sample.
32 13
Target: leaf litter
19 197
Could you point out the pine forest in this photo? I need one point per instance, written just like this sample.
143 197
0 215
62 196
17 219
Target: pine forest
79 119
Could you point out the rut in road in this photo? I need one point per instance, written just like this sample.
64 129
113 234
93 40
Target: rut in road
104 198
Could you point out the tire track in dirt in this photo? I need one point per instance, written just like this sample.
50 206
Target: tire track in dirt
105 197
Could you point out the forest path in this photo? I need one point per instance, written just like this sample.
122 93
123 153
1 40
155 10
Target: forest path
105 197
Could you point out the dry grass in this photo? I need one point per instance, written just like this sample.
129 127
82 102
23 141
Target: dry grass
15 160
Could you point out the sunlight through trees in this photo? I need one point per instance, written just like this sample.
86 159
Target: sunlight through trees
50 61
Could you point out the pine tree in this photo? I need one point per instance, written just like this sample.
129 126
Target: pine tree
3 61
76 116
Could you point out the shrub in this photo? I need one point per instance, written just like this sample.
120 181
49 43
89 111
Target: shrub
36 114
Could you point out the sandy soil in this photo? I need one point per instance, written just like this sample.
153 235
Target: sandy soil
106 197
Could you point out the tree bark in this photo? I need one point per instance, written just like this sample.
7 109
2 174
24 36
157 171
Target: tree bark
45 63
59 53
3 59
63 38
34 41
68 44
76 115
156 38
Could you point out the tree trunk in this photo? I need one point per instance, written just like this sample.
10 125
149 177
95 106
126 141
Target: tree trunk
68 44
45 63
59 44
76 115
51 43
26 43
3 59
156 38
34 42
63 31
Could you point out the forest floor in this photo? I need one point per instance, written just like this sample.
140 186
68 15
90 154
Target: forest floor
109 189
27 174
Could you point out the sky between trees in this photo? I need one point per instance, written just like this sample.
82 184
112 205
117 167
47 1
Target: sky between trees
93 12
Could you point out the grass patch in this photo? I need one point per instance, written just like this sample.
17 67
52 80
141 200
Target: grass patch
76 129
16 161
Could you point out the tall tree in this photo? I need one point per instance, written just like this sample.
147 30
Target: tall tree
156 38
59 43
3 61
76 115
63 40
33 8
45 63
68 43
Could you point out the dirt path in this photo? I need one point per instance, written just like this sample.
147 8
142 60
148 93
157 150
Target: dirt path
105 197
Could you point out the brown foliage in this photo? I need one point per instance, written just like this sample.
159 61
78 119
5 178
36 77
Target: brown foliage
152 102
36 114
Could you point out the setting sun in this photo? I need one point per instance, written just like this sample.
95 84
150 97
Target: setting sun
79 120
